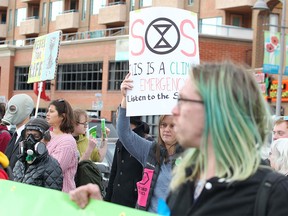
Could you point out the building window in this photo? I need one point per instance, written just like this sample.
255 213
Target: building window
190 2
152 121
82 76
44 13
3 16
117 72
73 5
84 6
145 3
21 78
33 11
236 20
210 25
96 5
55 8
20 15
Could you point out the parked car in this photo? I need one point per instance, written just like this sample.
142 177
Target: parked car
106 164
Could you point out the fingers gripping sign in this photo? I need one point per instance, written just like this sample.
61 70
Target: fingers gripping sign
83 194
127 84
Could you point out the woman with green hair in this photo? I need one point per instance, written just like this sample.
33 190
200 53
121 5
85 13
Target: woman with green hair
223 121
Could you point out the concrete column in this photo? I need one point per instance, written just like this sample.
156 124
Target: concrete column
7 54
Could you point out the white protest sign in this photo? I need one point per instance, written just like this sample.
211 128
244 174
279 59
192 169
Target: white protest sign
44 57
163 45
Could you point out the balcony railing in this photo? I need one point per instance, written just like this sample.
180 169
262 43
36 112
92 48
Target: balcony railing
226 31
207 29
116 3
88 35
32 17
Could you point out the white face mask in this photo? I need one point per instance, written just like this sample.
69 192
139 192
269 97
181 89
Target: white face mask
19 107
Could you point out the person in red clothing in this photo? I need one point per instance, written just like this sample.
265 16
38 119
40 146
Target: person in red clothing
4 133
4 163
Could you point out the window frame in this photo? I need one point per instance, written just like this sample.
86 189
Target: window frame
80 76
116 74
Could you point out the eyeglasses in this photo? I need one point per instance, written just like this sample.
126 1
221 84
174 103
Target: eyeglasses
83 123
179 100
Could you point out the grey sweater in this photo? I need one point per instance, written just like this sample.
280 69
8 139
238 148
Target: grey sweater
139 147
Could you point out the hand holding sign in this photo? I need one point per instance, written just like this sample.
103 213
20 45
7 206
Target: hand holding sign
82 194
127 84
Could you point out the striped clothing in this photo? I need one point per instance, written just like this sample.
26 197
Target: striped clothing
64 149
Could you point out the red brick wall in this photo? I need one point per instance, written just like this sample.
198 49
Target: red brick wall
218 49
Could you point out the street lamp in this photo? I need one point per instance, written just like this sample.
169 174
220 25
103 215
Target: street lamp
261 5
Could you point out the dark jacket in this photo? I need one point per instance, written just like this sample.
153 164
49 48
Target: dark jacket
12 150
126 171
45 171
221 198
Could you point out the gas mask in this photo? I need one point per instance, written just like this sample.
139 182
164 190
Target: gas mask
30 149
19 107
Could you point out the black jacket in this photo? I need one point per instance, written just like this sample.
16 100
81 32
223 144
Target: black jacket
126 171
12 150
45 171
221 198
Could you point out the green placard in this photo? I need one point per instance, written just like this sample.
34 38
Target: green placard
26 200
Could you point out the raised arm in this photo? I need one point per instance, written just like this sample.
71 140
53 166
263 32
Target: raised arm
136 145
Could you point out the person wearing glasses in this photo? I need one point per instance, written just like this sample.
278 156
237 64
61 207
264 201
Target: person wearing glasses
87 146
280 129
62 145
223 120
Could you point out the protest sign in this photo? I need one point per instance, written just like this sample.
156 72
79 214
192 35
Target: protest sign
44 57
163 45
44 63
27 200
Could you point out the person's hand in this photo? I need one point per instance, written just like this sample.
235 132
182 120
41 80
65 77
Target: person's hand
126 85
82 194
92 142
107 131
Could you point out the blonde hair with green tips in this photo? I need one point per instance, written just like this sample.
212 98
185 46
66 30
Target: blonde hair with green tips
237 122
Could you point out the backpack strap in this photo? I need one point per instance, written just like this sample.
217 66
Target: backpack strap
270 179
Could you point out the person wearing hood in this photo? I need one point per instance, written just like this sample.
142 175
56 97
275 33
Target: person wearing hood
126 170
19 109
4 133
35 166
